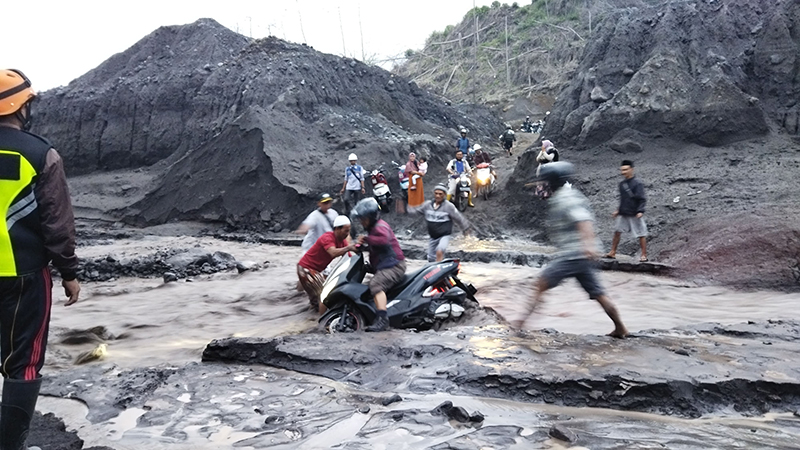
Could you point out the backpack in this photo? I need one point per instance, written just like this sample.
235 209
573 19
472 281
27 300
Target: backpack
508 136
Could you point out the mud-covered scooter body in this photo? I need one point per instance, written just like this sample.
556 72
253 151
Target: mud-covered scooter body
421 300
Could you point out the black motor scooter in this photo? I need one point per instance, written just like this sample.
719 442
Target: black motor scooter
421 300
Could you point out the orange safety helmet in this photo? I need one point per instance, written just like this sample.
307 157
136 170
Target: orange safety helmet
15 91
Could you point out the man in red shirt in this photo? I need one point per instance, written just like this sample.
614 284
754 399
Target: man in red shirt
330 245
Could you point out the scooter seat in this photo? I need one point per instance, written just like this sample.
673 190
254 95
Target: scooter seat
402 284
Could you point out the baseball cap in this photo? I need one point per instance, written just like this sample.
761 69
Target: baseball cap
324 198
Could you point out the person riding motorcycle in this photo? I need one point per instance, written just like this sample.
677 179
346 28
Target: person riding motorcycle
386 259
482 157
527 126
455 168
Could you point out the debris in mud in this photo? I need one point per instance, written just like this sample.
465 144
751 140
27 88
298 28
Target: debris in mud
171 264
98 334
393 399
640 374
560 431
96 354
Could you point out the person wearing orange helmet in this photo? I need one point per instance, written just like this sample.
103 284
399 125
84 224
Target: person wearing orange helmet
38 228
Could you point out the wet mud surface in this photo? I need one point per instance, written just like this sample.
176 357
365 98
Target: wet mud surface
271 380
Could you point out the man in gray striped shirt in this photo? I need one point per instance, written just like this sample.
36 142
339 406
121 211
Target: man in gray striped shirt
440 215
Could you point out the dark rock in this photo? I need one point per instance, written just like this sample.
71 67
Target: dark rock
170 277
393 399
273 419
563 433
476 417
458 414
398 416
442 409
222 259
184 258
364 409
244 266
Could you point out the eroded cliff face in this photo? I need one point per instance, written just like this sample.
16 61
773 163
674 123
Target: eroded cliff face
705 72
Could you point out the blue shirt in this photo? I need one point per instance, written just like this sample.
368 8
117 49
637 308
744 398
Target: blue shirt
462 144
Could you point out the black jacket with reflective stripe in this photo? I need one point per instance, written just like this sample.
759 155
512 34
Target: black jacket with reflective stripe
22 160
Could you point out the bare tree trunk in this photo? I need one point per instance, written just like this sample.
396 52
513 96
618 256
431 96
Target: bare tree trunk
508 74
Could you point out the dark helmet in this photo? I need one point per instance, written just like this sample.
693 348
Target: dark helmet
556 174
367 208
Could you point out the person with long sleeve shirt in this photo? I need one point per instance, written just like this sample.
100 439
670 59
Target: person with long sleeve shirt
455 168
38 228
630 214
440 215
385 257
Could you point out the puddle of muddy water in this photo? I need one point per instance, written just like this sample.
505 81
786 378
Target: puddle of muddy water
171 324
314 420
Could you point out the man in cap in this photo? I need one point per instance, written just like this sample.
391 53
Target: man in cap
330 245
39 228
318 222
353 186
440 215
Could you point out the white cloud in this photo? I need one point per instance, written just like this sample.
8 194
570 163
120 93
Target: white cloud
56 41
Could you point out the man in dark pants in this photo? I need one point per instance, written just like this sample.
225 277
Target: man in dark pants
570 225
630 214
39 228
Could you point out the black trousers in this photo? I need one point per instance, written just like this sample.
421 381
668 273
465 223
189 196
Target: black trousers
25 303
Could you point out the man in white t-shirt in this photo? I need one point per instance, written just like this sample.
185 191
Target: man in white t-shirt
353 186
317 223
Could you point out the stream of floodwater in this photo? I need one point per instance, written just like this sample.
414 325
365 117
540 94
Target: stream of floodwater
157 323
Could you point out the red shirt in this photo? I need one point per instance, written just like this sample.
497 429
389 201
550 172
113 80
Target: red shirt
317 257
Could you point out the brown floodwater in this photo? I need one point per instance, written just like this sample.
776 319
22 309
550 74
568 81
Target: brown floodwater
159 323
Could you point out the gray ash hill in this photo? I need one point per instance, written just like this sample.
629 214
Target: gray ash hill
246 131
706 72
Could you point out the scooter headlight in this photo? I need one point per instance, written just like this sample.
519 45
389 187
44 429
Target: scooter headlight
483 177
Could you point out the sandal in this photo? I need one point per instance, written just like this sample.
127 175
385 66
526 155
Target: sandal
643 259
609 256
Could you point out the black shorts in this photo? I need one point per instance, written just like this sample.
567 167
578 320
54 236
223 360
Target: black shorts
584 270
508 144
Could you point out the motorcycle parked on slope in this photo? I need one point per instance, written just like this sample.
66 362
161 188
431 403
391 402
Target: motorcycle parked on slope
421 300
484 180
380 189
401 176
463 189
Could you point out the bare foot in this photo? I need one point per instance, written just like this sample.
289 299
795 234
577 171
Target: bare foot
619 334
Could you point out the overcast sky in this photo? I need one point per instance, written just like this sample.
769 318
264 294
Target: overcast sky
56 41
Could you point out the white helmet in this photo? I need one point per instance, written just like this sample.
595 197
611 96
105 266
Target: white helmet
352 157
340 221
477 147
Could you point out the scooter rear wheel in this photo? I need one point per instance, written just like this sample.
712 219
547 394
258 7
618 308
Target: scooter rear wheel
334 321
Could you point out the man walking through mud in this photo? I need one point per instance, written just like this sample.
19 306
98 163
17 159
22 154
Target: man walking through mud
39 228
440 215
630 214
317 222
570 222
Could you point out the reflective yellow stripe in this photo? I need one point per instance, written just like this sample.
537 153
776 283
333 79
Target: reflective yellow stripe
9 190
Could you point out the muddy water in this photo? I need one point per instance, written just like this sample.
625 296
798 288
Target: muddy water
171 324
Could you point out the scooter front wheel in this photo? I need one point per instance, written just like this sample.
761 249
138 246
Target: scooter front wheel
339 321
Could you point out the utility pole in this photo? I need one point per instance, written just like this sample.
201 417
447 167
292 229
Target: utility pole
300 15
341 28
361 30
250 22
475 56
508 74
